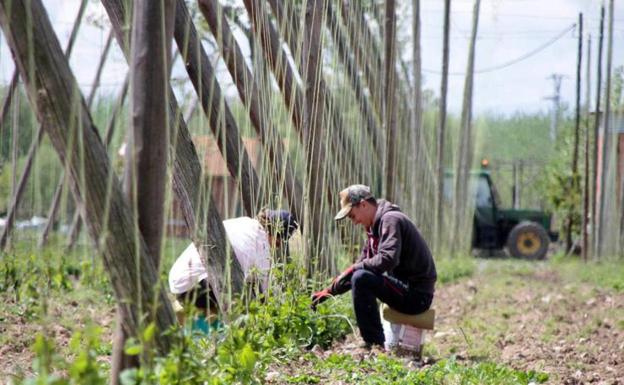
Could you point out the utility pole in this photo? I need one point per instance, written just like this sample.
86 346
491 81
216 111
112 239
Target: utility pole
556 99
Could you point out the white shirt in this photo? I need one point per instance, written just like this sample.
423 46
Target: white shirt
251 246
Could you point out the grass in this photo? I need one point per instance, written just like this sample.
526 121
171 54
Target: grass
606 273
386 369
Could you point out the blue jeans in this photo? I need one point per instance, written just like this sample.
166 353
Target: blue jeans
367 287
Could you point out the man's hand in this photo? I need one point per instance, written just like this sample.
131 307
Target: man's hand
320 297
342 283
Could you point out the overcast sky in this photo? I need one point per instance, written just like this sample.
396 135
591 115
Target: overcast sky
508 30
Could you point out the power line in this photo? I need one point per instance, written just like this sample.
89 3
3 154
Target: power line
513 61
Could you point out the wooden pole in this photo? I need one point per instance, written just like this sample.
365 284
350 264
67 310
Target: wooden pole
586 192
606 138
390 117
315 128
417 110
145 171
56 99
439 218
460 197
595 225
575 181
577 115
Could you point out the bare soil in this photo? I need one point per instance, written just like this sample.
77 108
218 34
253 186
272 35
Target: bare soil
534 319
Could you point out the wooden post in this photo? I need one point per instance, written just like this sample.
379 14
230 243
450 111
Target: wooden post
575 182
314 138
586 179
18 189
56 99
577 114
417 110
390 168
606 138
439 218
145 171
595 225
461 224
249 90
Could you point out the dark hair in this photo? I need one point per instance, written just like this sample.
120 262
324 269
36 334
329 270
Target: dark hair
372 201
278 223
201 296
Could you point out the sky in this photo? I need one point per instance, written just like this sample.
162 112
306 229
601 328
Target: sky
508 30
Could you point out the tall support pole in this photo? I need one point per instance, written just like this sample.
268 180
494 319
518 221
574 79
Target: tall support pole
314 128
18 189
595 225
145 171
606 137
587 173
249 90
55 96
575 182
577 113
439 218
417 110
390 168
464 163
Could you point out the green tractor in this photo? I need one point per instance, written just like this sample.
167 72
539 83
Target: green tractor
525 233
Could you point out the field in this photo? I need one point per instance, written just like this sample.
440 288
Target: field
499 321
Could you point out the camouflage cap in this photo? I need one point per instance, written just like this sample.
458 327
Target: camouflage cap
350 197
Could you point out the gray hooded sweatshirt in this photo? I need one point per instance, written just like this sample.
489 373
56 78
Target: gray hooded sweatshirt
394 246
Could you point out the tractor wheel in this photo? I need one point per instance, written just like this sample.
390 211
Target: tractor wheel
528 240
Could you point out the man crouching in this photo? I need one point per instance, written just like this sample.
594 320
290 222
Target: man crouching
395 265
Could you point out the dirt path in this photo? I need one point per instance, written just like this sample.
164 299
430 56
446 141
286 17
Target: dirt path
531 318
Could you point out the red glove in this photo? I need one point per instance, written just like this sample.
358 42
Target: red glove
320 297
340 285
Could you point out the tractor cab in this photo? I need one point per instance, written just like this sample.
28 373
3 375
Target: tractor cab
525 233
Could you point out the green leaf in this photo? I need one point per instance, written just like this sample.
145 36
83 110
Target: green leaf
247 357
149 332
132 347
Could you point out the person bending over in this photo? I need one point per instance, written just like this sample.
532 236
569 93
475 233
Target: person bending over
252 240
